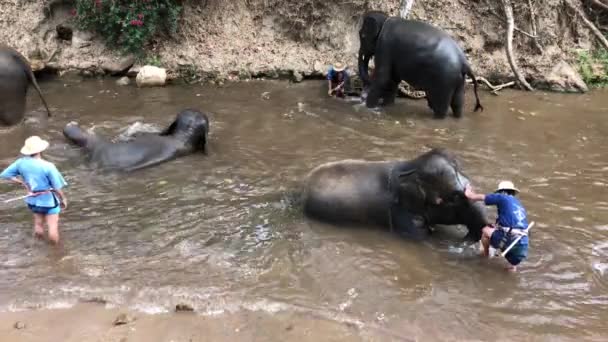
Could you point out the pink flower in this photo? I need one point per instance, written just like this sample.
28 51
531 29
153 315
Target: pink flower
136 22
140 16
73 12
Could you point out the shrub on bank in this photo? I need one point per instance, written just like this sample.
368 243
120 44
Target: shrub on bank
127 25
594 67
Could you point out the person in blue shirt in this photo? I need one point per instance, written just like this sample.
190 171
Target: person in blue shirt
511 222
43 182
336 80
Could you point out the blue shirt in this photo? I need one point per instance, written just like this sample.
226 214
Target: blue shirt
510 211
332 75
39 175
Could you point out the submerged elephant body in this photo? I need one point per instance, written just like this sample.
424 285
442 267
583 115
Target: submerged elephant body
405 196
418 53
15 77
187 134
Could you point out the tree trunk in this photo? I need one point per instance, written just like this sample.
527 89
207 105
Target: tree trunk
506 4
406 6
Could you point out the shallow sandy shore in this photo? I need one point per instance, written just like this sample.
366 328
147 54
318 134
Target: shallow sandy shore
93 322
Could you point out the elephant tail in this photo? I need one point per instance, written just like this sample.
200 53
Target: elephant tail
32 79
469 72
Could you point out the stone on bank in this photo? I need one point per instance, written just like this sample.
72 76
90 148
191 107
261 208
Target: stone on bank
151 76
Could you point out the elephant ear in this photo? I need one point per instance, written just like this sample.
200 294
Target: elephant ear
169 130
407 186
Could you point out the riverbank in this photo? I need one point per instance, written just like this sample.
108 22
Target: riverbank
287 39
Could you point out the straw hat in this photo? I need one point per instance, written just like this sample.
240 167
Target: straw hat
339 67
34 145
507 185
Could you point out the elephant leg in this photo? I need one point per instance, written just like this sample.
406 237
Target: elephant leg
408 225
458 100
373 97
439 101
390 94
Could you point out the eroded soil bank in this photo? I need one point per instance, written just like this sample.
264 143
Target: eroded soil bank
261 38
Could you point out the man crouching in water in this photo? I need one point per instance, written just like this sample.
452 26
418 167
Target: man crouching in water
510 223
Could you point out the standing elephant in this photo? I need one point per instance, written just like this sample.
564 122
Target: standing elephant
187 134
406 196
418 53
15 76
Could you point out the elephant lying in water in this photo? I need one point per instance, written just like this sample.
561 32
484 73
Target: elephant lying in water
424 56
187 134
15 76
407 196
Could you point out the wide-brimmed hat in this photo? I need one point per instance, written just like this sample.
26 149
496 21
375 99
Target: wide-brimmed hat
506 185
34 145
339 67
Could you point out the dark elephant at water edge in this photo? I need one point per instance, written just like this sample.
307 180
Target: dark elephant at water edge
15 76
187 134
418 53
407 196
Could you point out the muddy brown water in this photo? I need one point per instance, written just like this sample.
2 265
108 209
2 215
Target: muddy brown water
216 232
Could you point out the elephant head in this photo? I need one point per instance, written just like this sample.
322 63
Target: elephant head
191 127
368 37
432 186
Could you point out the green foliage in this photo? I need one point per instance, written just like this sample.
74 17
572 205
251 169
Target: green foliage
128 24
153 60
594 67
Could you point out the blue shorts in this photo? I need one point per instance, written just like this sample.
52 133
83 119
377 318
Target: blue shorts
517 254
44 210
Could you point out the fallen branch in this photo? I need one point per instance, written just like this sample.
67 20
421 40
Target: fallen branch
510 24
600 4
598 34
493 89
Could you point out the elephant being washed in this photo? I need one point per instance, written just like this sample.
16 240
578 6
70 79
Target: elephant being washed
418 53
407 196
187 134
15 76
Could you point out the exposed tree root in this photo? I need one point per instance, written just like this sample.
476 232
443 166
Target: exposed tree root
406 6
598 34
508 9
533 24
600 4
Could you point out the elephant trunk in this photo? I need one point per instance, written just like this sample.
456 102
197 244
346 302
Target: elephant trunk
364 67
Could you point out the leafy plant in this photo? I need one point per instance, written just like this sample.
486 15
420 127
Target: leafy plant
127 24
594 67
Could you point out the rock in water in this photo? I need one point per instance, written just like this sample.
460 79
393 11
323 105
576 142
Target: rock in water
151 76
123 81
564 78
19 325
118 67
123 318
297 77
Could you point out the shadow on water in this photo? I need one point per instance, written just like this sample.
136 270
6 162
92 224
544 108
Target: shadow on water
220 231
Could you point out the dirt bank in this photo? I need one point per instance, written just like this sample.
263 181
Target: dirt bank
272 38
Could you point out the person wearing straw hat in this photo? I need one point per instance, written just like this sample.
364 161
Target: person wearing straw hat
336 79
43 182
510 224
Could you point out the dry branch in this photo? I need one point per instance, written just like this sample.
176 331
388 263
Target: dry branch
527 34
510 24
598 34
600 4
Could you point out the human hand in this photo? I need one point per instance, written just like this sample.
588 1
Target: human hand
330 91
64 204
468 191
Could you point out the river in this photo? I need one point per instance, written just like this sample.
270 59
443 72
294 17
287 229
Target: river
217 231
